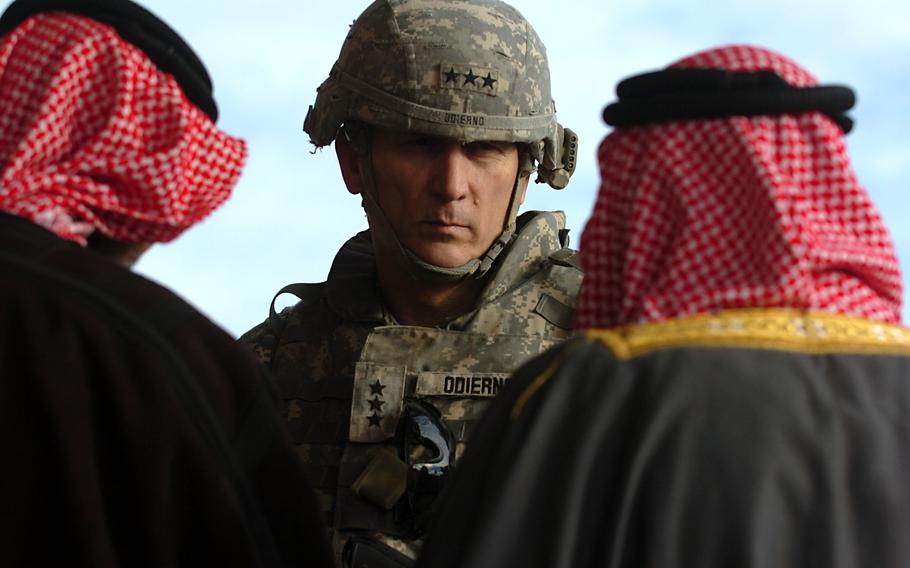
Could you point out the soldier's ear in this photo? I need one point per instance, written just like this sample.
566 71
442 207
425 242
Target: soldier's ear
349 161
522 188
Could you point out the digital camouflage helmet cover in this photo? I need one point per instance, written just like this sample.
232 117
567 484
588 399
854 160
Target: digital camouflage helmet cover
470 70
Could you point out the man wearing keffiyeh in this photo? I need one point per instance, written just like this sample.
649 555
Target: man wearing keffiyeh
135 432
738 394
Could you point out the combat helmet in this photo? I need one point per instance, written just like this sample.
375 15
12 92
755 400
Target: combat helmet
467 70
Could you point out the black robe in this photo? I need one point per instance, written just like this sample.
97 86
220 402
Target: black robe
708 449
134 431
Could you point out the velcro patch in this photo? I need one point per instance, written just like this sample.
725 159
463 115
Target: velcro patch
377 402
469 78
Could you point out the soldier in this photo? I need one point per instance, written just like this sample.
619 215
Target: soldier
440 111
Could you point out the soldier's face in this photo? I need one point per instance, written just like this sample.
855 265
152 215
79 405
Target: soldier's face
447 201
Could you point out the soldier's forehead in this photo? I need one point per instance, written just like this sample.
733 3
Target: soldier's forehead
398 134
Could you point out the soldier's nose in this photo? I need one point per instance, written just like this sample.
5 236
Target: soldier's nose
453 174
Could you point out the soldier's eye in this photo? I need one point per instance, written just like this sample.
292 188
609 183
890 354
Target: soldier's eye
485 148
420 142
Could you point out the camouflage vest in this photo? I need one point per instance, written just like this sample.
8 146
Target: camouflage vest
345 371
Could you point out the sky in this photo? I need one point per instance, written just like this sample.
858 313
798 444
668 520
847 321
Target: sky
290 212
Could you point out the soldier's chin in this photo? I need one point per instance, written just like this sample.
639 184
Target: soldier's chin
446 257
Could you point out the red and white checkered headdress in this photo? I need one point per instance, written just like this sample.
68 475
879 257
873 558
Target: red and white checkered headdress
94 137
702 215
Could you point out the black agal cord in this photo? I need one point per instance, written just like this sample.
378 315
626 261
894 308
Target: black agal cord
685 94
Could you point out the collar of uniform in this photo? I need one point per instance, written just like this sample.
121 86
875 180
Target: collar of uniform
536 238
352 288
758 328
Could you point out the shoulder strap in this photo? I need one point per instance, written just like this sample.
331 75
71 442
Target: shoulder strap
566 257
306 293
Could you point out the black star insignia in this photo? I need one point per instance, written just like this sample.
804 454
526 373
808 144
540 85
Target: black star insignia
470 77
377 388
488 80
376 404
451 76
375 420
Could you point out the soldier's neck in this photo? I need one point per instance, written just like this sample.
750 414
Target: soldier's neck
415 302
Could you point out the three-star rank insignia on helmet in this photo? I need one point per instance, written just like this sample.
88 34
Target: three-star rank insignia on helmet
469 78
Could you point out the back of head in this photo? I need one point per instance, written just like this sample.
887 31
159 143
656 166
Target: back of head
108 123
746 200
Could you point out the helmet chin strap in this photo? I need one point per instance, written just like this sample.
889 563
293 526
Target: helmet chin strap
419 269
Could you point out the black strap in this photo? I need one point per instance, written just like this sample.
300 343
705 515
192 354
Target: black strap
306 293
686 94
566 257
555 312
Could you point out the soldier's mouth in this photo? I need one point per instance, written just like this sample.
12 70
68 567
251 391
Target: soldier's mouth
446 224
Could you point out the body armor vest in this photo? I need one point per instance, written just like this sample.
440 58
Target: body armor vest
347 374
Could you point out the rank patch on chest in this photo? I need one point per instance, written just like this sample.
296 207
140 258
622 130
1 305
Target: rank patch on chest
460 384
377 400
469 78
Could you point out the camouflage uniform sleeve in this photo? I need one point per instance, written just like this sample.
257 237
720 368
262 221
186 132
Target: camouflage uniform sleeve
262 340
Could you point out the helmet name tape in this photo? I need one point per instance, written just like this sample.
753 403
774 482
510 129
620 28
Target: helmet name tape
465 119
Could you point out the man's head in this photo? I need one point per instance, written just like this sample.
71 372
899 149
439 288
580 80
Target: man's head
110 139
727 185
445 200
457 75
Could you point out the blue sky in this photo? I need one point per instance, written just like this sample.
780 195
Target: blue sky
290 212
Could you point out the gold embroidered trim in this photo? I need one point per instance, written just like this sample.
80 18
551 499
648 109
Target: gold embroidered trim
789 330
538 383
